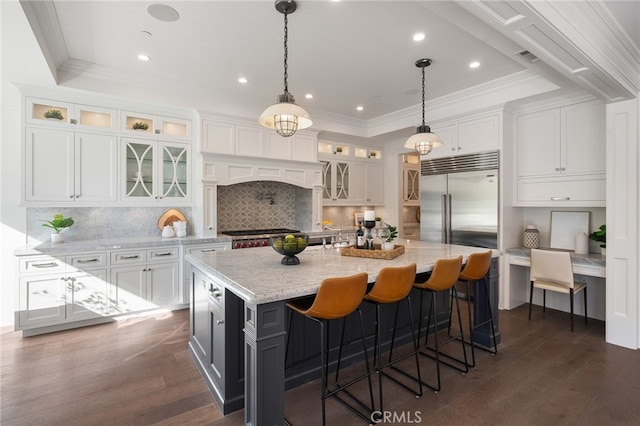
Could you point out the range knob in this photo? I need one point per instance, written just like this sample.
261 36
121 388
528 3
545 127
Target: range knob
265 243
244 245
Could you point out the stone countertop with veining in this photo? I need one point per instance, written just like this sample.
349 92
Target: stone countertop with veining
113 244
585 259
258 277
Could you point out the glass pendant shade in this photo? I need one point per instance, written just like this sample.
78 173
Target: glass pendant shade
285 117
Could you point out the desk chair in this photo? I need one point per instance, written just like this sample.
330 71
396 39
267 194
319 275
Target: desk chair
336 299
392 286
552 270
443 278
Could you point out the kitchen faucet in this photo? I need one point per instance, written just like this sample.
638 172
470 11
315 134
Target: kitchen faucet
333 237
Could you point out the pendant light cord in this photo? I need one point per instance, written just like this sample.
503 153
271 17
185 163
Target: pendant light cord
286 55
423 120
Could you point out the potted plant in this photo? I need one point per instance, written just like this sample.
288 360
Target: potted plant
59 223
391 234
600 236
139 125
53 114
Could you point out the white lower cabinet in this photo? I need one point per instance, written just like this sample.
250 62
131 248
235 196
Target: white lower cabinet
73 290
151 279
53 291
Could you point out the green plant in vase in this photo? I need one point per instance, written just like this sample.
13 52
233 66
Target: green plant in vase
390 234
59 223
139 125
53 114
600 236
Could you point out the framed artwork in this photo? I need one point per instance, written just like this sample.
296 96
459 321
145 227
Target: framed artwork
565 226
358 217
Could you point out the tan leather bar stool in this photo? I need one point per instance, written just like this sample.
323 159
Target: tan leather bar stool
393 285
336 299
444 277
476 269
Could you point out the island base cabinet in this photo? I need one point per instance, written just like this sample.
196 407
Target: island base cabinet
217 340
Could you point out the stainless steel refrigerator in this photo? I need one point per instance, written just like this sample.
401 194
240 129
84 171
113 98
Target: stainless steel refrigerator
459 200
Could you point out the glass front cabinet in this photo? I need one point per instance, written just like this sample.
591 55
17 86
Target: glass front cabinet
70 115
335 177
156 170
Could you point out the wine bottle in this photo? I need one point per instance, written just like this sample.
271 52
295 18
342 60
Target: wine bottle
360 241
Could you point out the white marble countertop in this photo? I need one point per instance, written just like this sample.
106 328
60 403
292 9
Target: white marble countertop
113 244
586 259
258 277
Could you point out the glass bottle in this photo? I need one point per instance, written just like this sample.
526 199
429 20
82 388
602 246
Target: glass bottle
360 241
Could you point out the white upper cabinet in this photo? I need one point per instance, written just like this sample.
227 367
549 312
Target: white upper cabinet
63 166
156 171
561 156
154 126
352 175
66 114
411 180
468 136
222 137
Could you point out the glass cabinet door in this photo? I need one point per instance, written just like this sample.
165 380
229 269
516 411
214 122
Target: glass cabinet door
412 185
139 170
342 181
175 160
327 185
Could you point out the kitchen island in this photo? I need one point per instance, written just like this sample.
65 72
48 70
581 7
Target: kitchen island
257 285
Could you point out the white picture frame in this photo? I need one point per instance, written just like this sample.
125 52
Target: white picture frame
565 226
358 217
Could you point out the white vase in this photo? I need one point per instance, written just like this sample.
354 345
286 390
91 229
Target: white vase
57 238
603 251
388 246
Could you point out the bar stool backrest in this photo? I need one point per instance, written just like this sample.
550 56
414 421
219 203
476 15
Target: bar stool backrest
477 266
444 274
393 284
338 297
553 266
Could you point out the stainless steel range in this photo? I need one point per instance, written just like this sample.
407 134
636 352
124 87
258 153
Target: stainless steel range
247 238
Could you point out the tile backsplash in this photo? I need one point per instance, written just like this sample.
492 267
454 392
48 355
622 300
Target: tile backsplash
264 204
93 223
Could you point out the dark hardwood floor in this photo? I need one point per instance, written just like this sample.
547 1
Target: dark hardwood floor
138 372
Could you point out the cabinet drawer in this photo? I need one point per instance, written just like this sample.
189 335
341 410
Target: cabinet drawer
208 248
41 265
83 261
128 257
563 190
161 254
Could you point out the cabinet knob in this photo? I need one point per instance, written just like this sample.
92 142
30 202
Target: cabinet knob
71 196
78 196
557 169
73 121
211 227
219 322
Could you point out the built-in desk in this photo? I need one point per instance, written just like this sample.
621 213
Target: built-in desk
592 267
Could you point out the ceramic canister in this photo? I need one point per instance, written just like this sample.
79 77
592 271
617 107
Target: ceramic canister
531 237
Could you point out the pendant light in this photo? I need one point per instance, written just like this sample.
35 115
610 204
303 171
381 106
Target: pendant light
285 116
423 141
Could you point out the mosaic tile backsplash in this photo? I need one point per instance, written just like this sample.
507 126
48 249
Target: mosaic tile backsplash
264 204
99 223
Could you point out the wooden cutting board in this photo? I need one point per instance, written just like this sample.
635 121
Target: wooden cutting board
170 216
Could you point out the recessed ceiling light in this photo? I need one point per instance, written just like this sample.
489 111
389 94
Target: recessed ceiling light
163 13
143 57
359 108
242 80
308 96
474 64
418 37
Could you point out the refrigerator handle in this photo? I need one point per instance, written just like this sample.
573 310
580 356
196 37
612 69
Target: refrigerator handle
449 230
445 219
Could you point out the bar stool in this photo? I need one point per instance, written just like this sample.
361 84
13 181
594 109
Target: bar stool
444 277
393 285
336 299
475 270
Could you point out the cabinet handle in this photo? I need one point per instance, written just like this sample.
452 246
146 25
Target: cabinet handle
73 121
71 196
135 256
163 254
560 198
216 293
219 322
45 265
207 250
78 196
557 169
95 259
562 169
